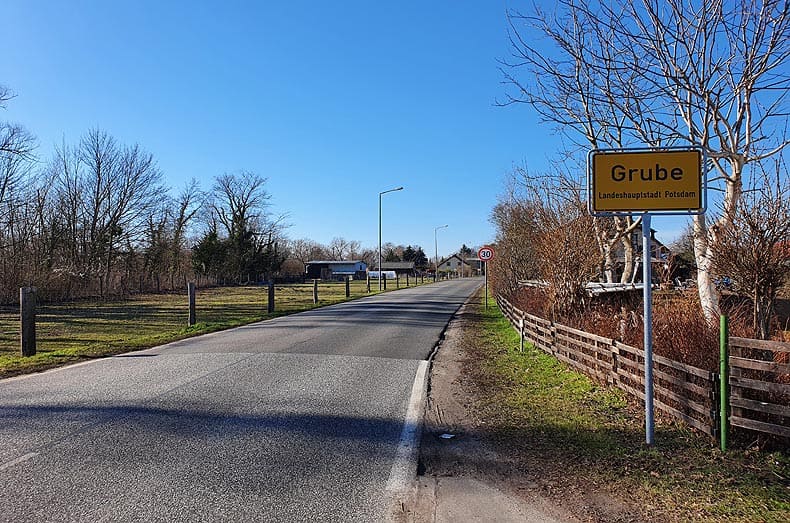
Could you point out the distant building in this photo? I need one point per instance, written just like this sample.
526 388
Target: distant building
335 269
454 265
475 266
659 253
400 268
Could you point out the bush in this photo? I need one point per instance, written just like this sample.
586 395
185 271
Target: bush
680 331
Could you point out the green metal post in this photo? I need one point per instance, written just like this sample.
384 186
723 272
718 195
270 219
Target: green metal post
724 400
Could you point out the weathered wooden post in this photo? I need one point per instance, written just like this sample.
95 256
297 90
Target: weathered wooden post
270 302
27 315
407 279
315 291
367 283
348 287
384 278
191 295
397 281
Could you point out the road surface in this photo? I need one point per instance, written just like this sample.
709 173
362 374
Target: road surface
300 418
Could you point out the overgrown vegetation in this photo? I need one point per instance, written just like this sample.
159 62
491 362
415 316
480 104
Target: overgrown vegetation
582 441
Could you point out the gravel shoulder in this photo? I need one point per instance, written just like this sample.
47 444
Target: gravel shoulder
465 474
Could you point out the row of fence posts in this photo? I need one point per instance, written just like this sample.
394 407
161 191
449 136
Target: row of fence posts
723 392
27 307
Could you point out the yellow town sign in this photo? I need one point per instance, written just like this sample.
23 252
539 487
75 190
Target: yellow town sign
645 181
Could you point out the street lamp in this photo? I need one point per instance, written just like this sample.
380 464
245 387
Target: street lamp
381 271
436 250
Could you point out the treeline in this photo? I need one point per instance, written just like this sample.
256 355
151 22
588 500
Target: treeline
96 219
304 250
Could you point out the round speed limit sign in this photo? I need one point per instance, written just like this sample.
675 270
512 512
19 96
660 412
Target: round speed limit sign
485 254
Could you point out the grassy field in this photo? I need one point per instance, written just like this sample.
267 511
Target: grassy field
584 436
80 330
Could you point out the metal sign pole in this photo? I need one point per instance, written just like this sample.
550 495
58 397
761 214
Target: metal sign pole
647 295
485 269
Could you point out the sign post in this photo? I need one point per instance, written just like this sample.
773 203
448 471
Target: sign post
625 182
485 254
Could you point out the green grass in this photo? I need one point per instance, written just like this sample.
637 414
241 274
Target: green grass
71 332
595 434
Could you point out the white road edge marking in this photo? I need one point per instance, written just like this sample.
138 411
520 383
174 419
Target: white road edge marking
405 465
18 460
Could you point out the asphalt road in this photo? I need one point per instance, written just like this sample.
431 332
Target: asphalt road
299 418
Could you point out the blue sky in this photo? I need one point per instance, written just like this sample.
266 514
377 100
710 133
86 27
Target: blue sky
332 101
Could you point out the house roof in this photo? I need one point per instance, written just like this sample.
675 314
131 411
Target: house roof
333 262
451 257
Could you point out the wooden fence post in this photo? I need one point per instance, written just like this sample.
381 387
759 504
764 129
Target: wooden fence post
315 291
615 364
397 281
521 331
27 314
270 302
407 279
348 287
191 297
367 283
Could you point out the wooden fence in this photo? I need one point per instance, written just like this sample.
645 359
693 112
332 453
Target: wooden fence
760 385
681 391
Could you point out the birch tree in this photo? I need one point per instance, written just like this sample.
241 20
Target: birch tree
709 74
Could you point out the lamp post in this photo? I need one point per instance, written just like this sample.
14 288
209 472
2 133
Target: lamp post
436 249
381 271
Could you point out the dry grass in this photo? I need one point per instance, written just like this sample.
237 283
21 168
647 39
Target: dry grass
582 444
78 330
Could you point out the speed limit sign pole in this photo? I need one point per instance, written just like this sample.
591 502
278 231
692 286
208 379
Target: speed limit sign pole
485 270
486 254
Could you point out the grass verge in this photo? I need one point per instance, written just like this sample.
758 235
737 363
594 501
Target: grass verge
76 331
583 439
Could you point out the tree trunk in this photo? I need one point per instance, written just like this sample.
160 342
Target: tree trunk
608 262
763 310
708 294
628 256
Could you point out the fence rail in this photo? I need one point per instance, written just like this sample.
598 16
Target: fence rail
760 385
681 391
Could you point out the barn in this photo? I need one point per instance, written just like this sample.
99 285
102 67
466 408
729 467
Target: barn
336 269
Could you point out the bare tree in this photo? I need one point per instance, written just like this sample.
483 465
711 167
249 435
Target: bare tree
15 140
16 161
711 74
514 220
188 204
105 194
240 203
755 251
305 250
544 230
579 92
339 248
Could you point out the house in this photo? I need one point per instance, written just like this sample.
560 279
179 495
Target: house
336 269
659 254
400 268
454 265
475 266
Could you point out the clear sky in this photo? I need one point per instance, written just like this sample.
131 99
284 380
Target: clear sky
332 101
